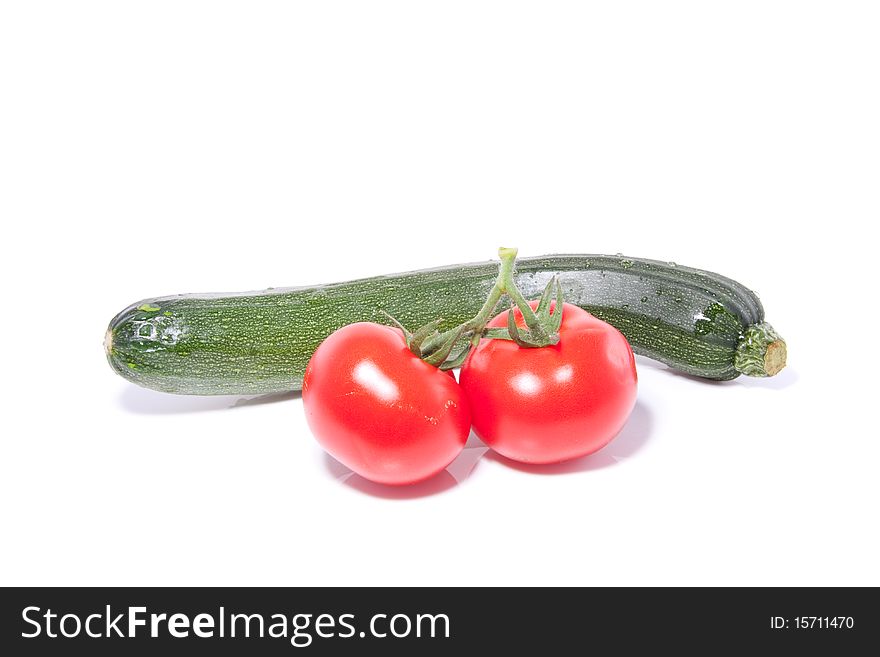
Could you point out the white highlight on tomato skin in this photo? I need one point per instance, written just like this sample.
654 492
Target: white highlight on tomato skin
564 374
526 383
368 374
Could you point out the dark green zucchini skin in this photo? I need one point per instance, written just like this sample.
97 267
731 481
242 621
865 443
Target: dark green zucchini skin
260 342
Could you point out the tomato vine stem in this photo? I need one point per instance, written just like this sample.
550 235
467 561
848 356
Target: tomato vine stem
542 323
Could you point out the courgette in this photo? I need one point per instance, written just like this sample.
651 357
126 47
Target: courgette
694 321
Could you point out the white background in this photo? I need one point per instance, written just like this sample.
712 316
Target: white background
164 147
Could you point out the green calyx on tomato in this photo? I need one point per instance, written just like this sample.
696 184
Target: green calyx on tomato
542 321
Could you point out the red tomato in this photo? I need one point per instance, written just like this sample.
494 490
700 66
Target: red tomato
551 404
379 409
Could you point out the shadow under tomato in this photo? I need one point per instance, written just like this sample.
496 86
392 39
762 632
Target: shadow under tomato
635 433
454 474
143 401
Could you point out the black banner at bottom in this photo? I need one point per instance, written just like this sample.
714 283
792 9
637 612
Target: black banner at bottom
256 621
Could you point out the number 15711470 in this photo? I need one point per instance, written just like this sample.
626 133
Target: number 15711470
812 622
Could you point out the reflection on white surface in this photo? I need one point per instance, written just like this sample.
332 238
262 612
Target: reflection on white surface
630 440
374 380
455 474
526 383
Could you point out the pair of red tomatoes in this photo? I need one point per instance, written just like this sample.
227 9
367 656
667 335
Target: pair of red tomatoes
395 419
